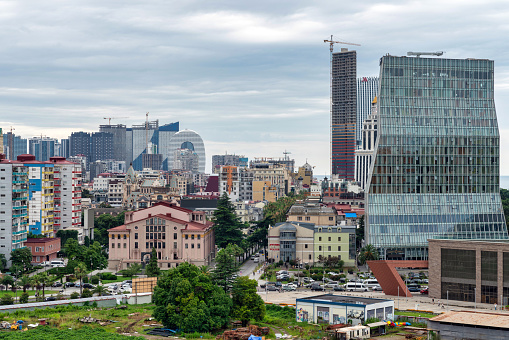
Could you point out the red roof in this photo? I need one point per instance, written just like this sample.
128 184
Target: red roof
119 228
41 240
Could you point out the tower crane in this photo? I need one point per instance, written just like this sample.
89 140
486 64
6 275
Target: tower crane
331 44
110 118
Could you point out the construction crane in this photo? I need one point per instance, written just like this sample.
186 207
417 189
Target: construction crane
331 44
418 54
110 118
286 153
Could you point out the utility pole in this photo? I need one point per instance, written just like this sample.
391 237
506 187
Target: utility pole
331 43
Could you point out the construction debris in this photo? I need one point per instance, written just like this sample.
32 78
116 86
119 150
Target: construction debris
243 333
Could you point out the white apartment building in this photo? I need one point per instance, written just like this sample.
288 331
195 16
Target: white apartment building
67 183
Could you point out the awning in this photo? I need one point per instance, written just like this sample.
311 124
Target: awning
351 215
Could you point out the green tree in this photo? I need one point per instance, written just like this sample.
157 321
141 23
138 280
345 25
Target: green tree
87 241
80 271
100 290
6 300
247 304
85 193
103 223
24 298
7 280
44 280
152 269
3 262
227 226
188 300
87 293
133 269
368 253
226 266
24 282
67 235
22 257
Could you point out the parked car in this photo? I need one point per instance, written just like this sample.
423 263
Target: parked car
282 272
278 284
69 284
57 284
46 263
88 285
272 288
356 287
289 287
339 288
256 260
424 291
414 287
425 281
77 285
331 284
282 277
252 257
308 280
317 287
262 285
50 298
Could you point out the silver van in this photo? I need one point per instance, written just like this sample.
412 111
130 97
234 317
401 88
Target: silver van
356 287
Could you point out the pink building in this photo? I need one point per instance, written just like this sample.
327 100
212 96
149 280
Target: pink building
43 249
178 235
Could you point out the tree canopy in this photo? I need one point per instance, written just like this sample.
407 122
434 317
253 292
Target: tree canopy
226 266
23 258
186 299
227 226
152 269
247 304
368 253
93 256
103 223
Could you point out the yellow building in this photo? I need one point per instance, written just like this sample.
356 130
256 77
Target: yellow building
264 191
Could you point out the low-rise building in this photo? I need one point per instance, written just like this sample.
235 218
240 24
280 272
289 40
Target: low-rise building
337 309
291 241
470 325
43 249
335 241
178 235
316 213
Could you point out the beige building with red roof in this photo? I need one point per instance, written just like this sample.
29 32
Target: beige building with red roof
178 235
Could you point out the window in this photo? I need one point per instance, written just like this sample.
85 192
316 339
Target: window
339 248
135 236
164 245
330 238
192 237
339 239
147 229
135 245
146 245
192 245
113 245
319 248
308 218
186 237
151 245
186 246
329 248
331 218
174 236
118 245
174 245
320 239
299 218
199 237
125 236
306 246
159 245
198 245
125 245
118 236
309 256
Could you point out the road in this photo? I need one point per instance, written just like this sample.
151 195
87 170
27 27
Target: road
249 266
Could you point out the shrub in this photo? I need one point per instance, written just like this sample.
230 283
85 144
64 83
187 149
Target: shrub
24 298
95 279
85 279
108 276
75 295
39 298
86 293
6 300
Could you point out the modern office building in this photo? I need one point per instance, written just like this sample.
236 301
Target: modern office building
119 140
42 148
185 159
138 138
344 113
435 173
101 146
166 132
188 139
364 153
79 144
64 148
14 145
14 203
367 91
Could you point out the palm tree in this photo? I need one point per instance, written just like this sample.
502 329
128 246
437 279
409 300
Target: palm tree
44 280
368 253
133 269
100 290
25 282
80 271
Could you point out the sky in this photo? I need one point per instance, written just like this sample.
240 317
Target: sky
251 77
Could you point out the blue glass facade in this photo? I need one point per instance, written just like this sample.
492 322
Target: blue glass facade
436 168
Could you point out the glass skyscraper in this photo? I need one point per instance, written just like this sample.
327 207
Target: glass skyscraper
436 167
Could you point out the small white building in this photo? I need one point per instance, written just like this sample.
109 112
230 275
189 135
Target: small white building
339 309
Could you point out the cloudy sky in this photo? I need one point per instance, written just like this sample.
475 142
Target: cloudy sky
250 77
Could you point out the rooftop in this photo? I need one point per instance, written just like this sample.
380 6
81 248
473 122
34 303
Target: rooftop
41 240
483 319
353 300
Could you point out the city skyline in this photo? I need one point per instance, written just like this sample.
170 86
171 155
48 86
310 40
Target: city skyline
249 80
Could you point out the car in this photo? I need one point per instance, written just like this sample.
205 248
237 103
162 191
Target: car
252 257
414 288
77 285
278 284
376 288
257 255
69 284
283 277
271 288
57 284
282 272
88 285
338 288
424 291
289 288
46 264
262 285
425 281
317 287
127 281
50 298
308 280
256 260
331 284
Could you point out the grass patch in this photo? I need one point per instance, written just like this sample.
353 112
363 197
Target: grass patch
415 314
30 293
